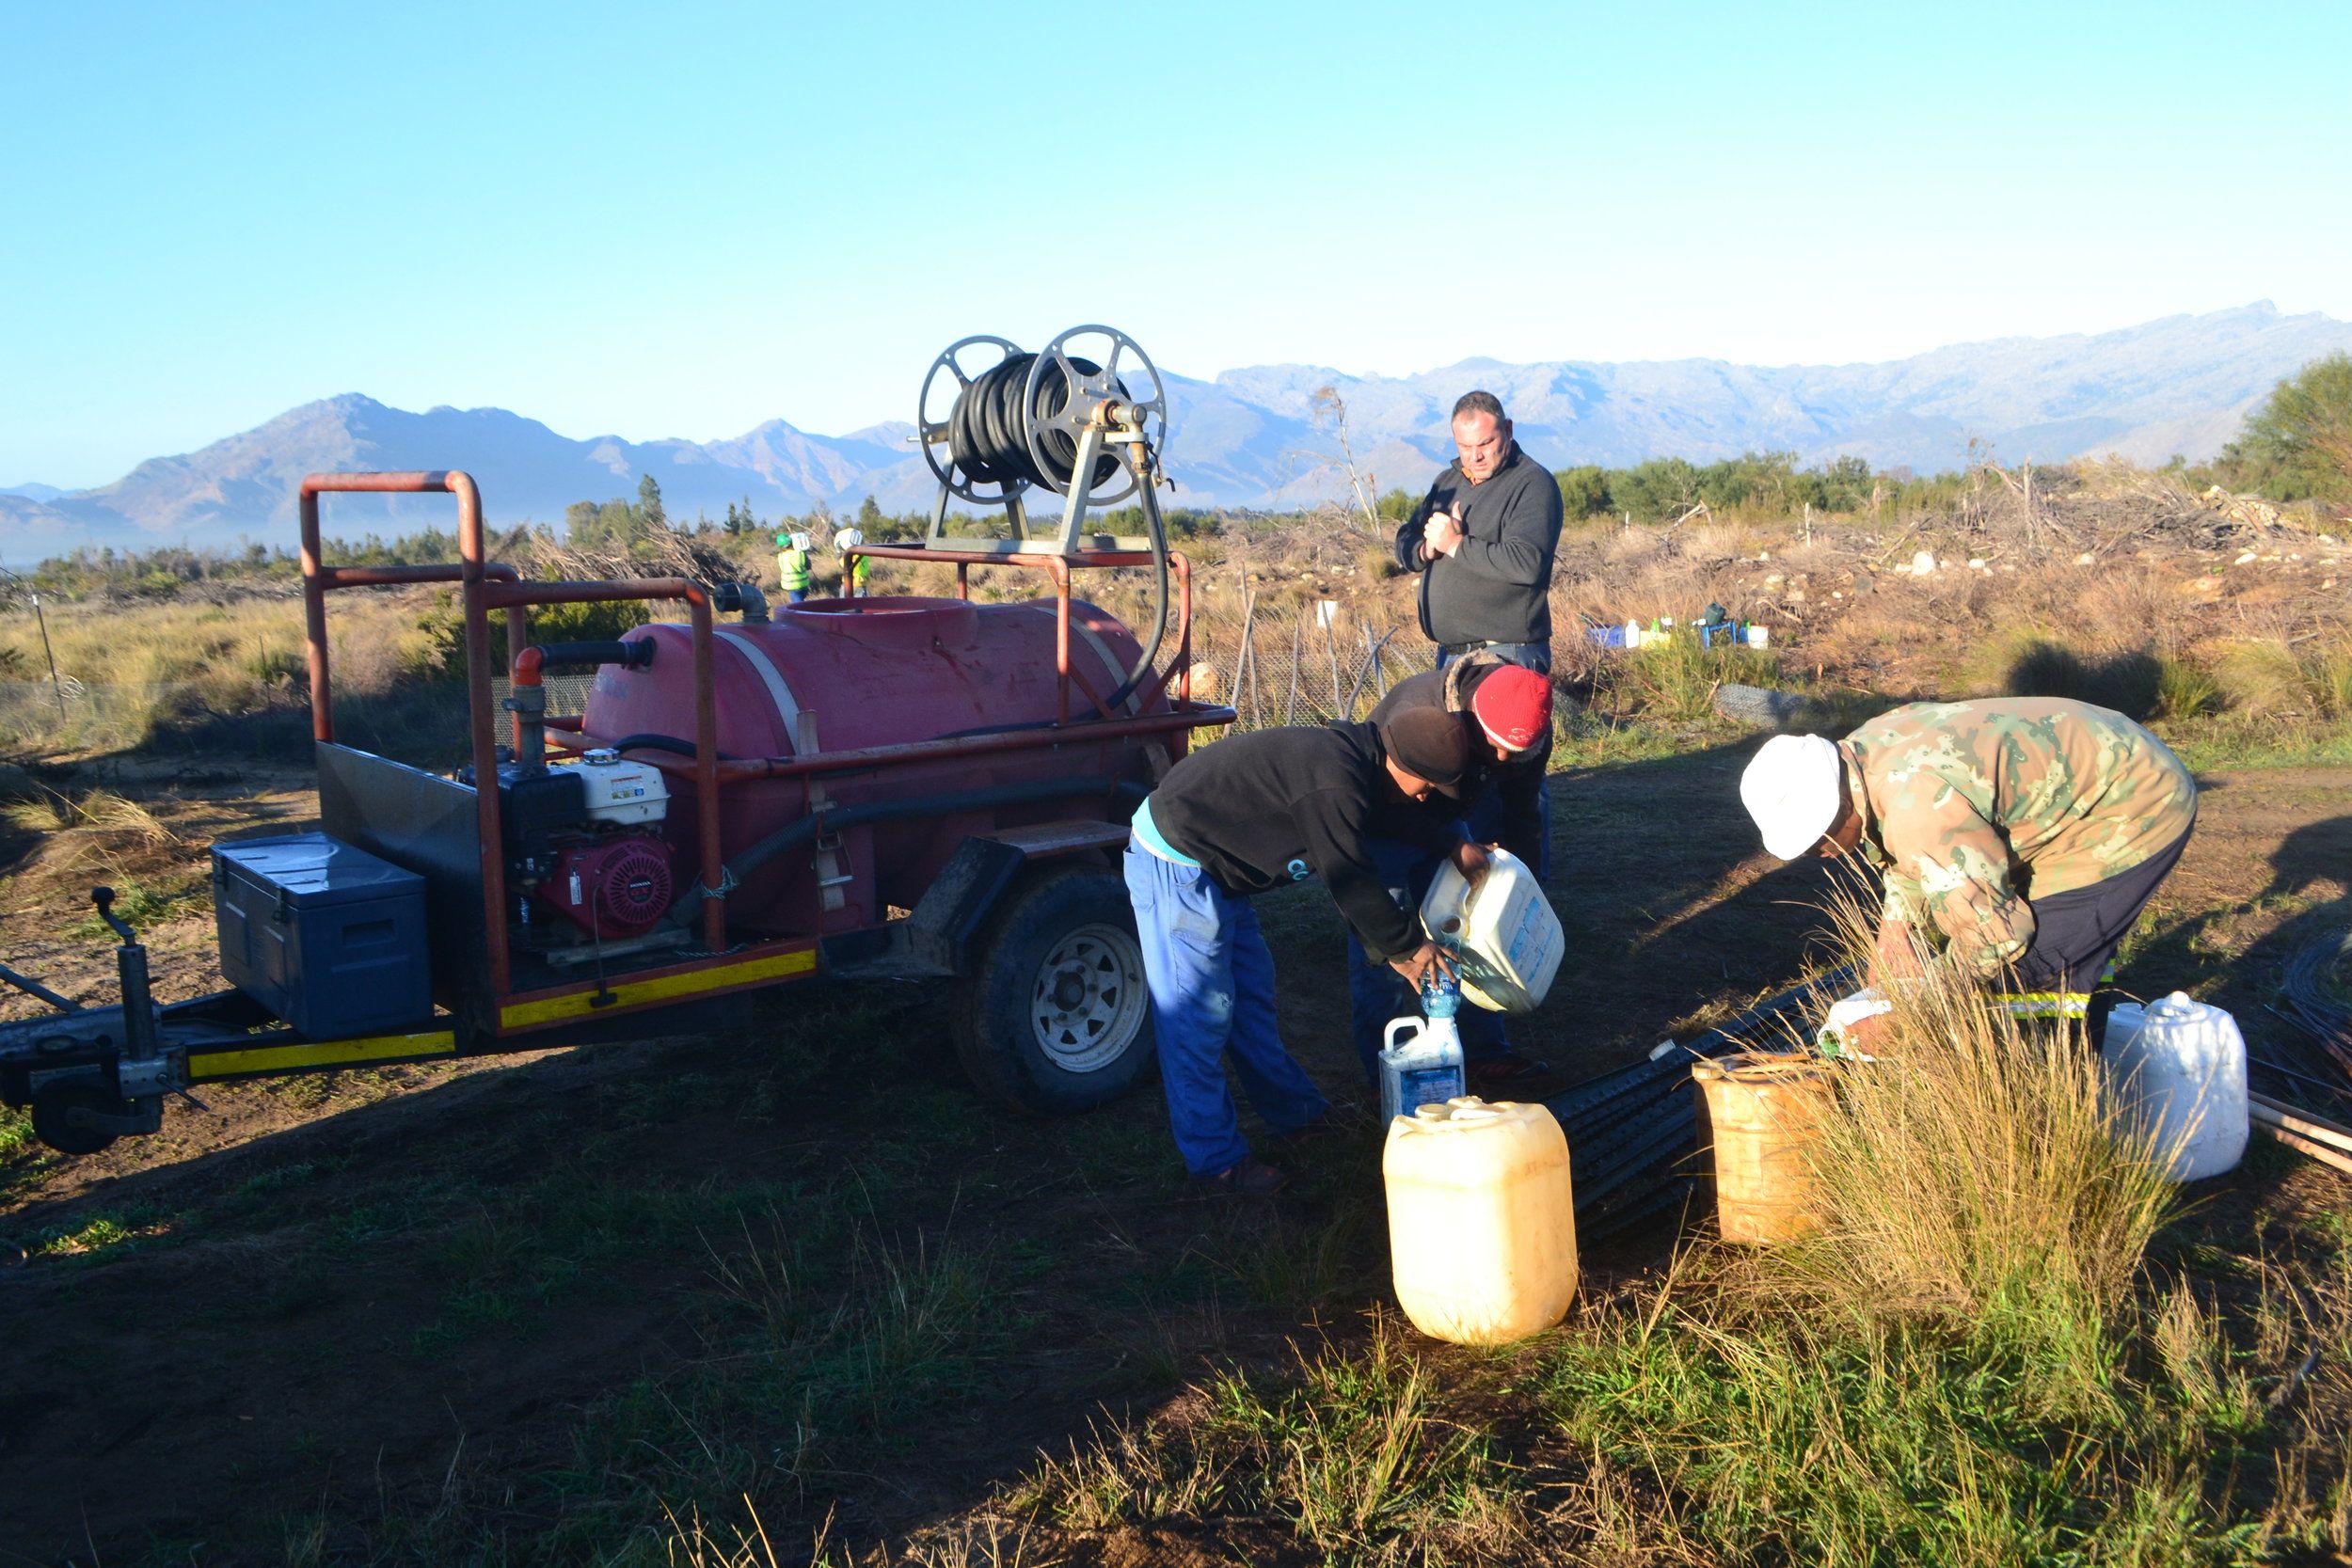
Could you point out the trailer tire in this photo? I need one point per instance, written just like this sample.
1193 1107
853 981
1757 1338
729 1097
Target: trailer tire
55 1124
1054 1015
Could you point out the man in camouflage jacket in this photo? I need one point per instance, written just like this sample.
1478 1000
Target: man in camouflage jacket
2025 832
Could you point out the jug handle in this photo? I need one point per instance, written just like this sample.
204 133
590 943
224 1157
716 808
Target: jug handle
1388 1039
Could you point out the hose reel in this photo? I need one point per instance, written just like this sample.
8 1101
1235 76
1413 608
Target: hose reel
996 422
1060 422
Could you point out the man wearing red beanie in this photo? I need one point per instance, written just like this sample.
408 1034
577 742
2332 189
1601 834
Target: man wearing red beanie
1507 709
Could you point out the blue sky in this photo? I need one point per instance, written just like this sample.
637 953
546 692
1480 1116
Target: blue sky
685 222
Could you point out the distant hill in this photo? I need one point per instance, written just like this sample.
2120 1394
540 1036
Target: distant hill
1252 438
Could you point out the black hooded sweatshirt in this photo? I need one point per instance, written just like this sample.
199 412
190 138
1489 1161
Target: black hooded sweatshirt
1272 807
1497 588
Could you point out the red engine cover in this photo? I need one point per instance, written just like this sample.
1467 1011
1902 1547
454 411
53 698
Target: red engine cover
615 888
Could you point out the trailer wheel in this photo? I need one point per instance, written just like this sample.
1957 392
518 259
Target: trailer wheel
55 1123
1054 1015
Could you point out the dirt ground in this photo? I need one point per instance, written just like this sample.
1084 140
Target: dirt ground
323 1314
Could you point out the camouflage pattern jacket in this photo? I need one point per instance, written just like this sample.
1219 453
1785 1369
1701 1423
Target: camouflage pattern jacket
1975 807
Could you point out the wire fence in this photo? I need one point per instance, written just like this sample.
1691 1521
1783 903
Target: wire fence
1303 666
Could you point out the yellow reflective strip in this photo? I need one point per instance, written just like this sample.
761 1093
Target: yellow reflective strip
661 989
287 1058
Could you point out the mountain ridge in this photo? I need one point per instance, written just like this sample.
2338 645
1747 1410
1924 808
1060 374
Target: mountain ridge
1254 435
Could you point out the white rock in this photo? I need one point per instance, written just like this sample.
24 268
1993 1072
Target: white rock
1976 564
1923 564
2244 559
2084 559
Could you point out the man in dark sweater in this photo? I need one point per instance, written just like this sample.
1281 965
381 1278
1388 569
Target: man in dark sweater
1482 542
1247 813
1505 712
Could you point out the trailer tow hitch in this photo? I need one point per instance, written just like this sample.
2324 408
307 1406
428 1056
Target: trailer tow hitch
90 1074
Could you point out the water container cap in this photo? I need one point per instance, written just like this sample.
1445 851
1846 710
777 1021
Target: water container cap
600 756
2180 1005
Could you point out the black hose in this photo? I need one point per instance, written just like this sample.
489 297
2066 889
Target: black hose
987 432
665 743
628 656
802 829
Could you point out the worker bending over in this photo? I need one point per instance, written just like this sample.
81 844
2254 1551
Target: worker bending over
1505 713
2027 833
793 567
1247 813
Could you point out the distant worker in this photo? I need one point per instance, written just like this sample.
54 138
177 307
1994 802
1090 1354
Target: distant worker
853 567
793 567
2024 833
1505 711
1232 819
1483 541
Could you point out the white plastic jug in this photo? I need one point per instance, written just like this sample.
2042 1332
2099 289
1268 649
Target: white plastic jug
2176 1069
1421 1064
1503 931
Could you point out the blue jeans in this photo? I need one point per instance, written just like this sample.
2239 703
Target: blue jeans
1212 979
1377 993
1529 656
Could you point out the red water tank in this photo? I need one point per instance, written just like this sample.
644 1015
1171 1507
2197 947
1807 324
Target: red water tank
866 672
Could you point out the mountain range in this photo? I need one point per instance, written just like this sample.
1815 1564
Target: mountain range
1255 437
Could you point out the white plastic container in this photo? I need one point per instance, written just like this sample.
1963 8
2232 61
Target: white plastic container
1482 1220
1506 938
626 793
2176 1069
1759 637
1421 1064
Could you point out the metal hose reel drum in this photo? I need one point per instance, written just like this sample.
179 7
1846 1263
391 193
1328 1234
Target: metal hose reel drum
1084 419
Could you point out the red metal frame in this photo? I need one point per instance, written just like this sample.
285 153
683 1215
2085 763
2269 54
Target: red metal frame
487 585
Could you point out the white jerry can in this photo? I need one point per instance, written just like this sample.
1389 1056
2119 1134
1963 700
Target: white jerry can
2176 1069
1502 931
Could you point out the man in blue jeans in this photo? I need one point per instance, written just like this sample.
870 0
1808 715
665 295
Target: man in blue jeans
1232 819
1505 711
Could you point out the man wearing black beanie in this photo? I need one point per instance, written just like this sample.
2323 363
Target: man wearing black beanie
1246 814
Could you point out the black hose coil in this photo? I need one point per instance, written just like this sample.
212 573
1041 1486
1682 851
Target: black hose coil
987 434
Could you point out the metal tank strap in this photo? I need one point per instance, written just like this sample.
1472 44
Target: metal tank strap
801 728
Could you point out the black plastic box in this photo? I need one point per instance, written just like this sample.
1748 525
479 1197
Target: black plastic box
327 936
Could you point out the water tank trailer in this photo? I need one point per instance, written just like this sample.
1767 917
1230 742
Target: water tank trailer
752 799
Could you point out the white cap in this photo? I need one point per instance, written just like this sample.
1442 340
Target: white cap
1791 788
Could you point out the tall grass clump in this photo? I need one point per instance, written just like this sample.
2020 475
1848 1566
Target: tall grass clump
1976 1169
1678 679
1961 1365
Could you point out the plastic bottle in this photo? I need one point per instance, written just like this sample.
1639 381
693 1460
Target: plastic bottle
1482 1220
2176 1073
1633 634
1420 1059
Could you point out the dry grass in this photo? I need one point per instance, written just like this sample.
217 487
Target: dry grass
1975 1169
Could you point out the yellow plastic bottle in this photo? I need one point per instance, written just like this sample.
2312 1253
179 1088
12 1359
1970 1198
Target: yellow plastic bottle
1482 1220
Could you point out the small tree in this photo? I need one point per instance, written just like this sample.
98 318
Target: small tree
650 514
2298 444
1585 491
580 524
